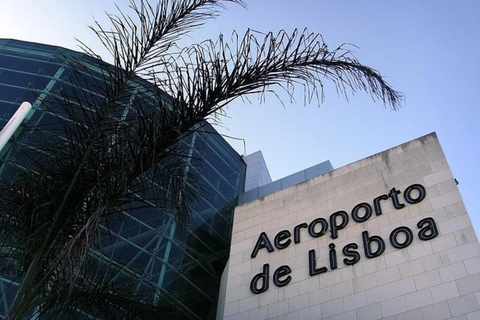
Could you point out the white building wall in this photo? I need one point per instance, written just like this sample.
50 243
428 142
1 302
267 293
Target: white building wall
432 279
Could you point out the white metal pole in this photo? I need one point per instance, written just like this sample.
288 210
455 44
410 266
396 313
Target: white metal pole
14 122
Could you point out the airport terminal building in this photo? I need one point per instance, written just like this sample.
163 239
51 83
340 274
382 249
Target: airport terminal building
386 237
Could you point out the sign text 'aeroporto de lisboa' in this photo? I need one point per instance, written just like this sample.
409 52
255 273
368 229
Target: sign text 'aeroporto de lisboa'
373 245
386 237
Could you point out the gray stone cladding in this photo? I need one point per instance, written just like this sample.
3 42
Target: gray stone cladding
435 278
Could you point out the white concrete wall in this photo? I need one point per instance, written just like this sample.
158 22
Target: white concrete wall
433 279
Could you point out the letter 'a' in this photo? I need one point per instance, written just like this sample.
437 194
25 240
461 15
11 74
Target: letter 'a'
262 242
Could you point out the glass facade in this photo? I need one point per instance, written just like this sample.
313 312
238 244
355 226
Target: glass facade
183 263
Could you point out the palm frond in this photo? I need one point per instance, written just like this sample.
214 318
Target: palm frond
137 41
211 75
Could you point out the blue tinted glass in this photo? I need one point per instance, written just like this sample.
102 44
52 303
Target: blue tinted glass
183 262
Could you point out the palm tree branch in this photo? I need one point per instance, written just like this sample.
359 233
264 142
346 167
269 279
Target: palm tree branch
211 75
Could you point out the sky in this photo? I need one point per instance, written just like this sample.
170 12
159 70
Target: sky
429 50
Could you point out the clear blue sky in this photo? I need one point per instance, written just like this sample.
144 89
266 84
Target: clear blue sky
429 50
